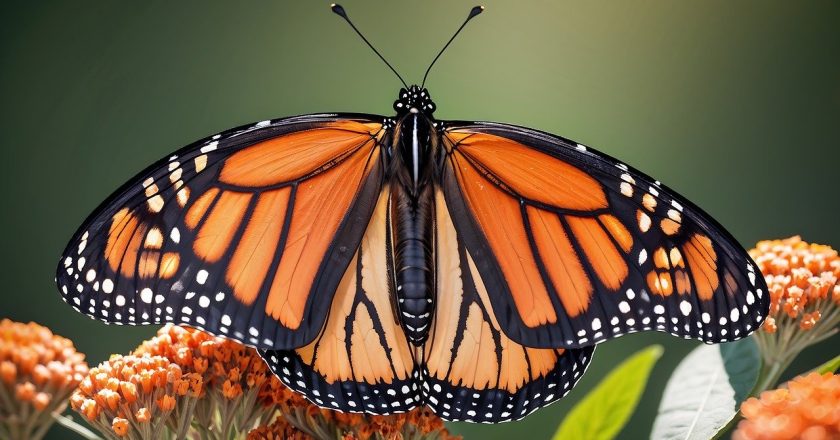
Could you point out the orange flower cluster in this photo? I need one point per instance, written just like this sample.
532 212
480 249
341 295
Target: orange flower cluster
244 392
280 429
802 279
134 396
225 364
38 371
239 385
808 408
181 383
310 422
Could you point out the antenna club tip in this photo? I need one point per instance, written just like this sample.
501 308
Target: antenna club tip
338 9
475 11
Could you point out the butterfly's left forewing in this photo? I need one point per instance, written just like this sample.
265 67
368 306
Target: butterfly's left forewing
245 234
577 248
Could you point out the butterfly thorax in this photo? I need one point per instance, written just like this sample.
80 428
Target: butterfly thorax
415 99
412 213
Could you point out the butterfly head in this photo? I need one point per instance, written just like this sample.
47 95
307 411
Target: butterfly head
414 100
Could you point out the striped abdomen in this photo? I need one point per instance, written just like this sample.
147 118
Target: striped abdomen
413 243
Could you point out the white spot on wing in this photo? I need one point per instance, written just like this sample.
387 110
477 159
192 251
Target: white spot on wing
146 295
201 276
210 147
685 308
624 307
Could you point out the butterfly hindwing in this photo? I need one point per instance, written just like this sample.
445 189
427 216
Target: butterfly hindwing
245 234
473 371
579 248
361 360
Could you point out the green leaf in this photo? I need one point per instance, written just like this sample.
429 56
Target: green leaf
605 410
706 390
829 367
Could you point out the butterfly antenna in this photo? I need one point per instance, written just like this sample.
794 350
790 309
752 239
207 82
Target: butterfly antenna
473 12
339 10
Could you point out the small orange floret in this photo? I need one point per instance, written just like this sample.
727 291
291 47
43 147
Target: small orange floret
143 415
8 372
120 426
25 392
231 390
128 391
41 401
166 403
89 409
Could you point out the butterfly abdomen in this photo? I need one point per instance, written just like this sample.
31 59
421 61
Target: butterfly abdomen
413 229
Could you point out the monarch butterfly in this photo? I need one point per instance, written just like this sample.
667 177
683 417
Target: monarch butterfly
381 263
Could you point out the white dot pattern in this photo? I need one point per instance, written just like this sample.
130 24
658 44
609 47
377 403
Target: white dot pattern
449 401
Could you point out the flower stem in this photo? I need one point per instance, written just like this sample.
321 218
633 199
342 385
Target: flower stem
70 424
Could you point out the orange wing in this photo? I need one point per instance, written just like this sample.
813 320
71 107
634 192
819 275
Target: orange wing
361 361
246 234
467 370
575 247
473 371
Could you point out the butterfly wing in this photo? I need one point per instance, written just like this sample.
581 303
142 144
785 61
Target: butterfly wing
575 247
361 360
245 234
473 371
468 369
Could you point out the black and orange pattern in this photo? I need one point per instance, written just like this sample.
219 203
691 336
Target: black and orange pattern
468 369
585 256
208 237
380 264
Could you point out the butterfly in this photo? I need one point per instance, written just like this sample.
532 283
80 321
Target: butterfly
379 263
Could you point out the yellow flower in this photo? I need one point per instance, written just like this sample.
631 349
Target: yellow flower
38 372
807 408
129 390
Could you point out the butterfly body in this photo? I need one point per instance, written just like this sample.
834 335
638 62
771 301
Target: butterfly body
412 177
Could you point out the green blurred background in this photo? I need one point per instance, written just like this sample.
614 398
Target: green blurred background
734 104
